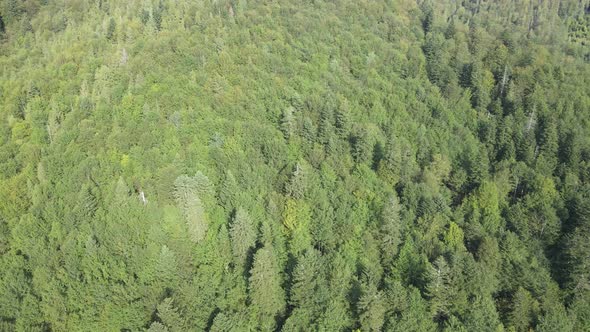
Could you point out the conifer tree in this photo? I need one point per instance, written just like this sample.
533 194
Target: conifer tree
287 123
169 316
390 230
185 192
243 235
266 295
438 289
371 308
524 310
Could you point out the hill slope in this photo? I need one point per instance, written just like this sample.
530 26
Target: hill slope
234 165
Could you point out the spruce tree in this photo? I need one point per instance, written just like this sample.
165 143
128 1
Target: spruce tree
266 294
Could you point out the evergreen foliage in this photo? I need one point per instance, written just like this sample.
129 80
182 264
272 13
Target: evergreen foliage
405 165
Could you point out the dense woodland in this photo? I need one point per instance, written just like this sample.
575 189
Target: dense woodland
215 165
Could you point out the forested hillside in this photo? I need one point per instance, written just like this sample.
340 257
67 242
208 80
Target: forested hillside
216 165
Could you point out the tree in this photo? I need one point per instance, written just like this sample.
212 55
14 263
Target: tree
580 310
454 237
489 261
296 219
555 318
415 315
229 192
157 15
476 40
437 69
484 207
11 10
548 141
488 198
326 125
337 315
265 292
185 193
451 30
169 316
88 198
167 267
577 248
371 308
30 317
524 312
362 147
411 265
308 281
455 325
287 123
343 121
437 172
482 83
308 130
428 17
233 321
390 165
2 26
399 162
390 230
483 316
505 149
158 327
111 29
438 289
243 236
297 184
309 292
542 221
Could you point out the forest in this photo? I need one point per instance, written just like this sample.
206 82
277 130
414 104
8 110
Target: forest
313 165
